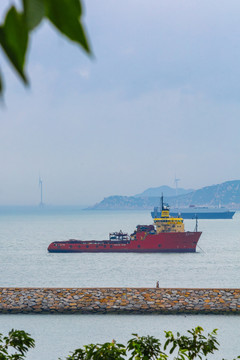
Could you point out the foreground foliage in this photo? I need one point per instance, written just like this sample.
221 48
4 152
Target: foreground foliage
64 15
195 345
180 347
15 345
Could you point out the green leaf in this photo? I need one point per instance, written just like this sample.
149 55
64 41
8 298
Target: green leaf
65 15
34 12
14 40
20 340
173 348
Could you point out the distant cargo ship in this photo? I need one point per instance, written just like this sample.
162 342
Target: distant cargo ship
166 235
200 212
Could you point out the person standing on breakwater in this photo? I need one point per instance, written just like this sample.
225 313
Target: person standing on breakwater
157 284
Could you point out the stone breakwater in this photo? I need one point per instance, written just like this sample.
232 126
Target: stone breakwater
119 300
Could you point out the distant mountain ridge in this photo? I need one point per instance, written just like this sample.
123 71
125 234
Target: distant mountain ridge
166 190
226 194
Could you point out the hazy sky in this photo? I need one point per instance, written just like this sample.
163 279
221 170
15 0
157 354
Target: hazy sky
161 97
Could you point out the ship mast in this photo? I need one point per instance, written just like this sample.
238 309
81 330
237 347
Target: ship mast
196 226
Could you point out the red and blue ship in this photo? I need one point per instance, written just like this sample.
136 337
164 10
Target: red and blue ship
167 234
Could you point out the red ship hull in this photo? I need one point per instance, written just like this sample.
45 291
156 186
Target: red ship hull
162 242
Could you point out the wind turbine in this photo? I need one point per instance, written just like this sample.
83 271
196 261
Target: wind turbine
40 183
176 181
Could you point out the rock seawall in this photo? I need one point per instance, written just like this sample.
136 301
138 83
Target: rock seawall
119 300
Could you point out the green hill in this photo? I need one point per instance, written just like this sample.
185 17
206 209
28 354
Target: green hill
226 194
166 190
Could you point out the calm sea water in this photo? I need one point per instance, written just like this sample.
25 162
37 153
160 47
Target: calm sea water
26 233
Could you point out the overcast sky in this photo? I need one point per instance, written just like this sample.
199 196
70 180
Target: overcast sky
161 97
